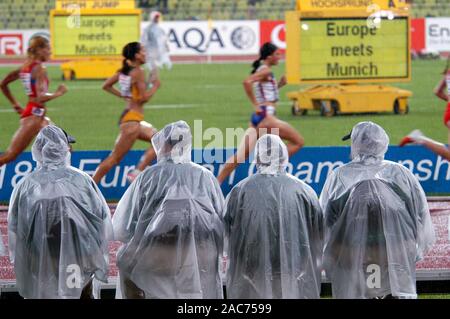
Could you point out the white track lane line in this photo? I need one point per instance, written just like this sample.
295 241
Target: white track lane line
172 106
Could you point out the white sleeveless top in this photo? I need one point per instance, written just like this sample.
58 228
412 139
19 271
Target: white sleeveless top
266 91
125 85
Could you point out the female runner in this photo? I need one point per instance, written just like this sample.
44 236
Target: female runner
132 84
35 81
262 89
442 91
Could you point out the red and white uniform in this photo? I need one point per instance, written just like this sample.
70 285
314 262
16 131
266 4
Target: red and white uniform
447 111
29 85
447 81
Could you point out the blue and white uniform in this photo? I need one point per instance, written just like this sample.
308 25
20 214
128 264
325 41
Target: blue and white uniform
266 92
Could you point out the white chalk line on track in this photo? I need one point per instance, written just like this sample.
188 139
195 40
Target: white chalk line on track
215 86
172 106
147 107
84 87
11 110
204 87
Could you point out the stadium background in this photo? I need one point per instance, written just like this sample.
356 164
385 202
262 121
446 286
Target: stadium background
208 87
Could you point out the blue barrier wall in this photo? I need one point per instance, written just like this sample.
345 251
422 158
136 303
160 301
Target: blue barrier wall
311 164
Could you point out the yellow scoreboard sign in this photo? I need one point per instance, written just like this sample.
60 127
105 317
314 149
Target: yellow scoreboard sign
95 4
320 5
348 50
94 33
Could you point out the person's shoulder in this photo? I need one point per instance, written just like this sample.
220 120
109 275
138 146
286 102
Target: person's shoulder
37 69
28 179
395 166
191 169
241 185
200 169
337 170
301 184
78 173
264 69
197 167
293 179
36 65
164 168
152 170
137 71
258 180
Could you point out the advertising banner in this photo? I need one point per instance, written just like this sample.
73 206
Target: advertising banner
311 164
237 37
437 34
417 35
275 32
15 42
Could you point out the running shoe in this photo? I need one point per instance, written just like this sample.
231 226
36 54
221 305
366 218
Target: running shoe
411 138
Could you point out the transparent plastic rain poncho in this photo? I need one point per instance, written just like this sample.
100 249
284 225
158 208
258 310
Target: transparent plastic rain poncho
2 246
275 231
154 40
169 220
3 251
58 224
377 220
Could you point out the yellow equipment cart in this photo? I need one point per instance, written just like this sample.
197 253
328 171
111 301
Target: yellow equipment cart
346 52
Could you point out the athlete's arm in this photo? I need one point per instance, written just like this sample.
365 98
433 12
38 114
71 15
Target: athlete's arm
42 95
248 84
11 77
156 84
439 91
145 95
108 86
282 82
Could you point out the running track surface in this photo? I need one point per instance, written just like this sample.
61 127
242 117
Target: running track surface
436 261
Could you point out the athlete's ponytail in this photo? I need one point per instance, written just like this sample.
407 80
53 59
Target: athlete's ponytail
129 52
256 64
266 50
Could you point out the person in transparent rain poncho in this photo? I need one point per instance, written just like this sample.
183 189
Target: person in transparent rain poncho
378 224
3 251
58 225
169 221
156 44
274 225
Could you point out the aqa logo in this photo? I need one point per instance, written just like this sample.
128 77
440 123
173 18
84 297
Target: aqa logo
243 38
196 39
